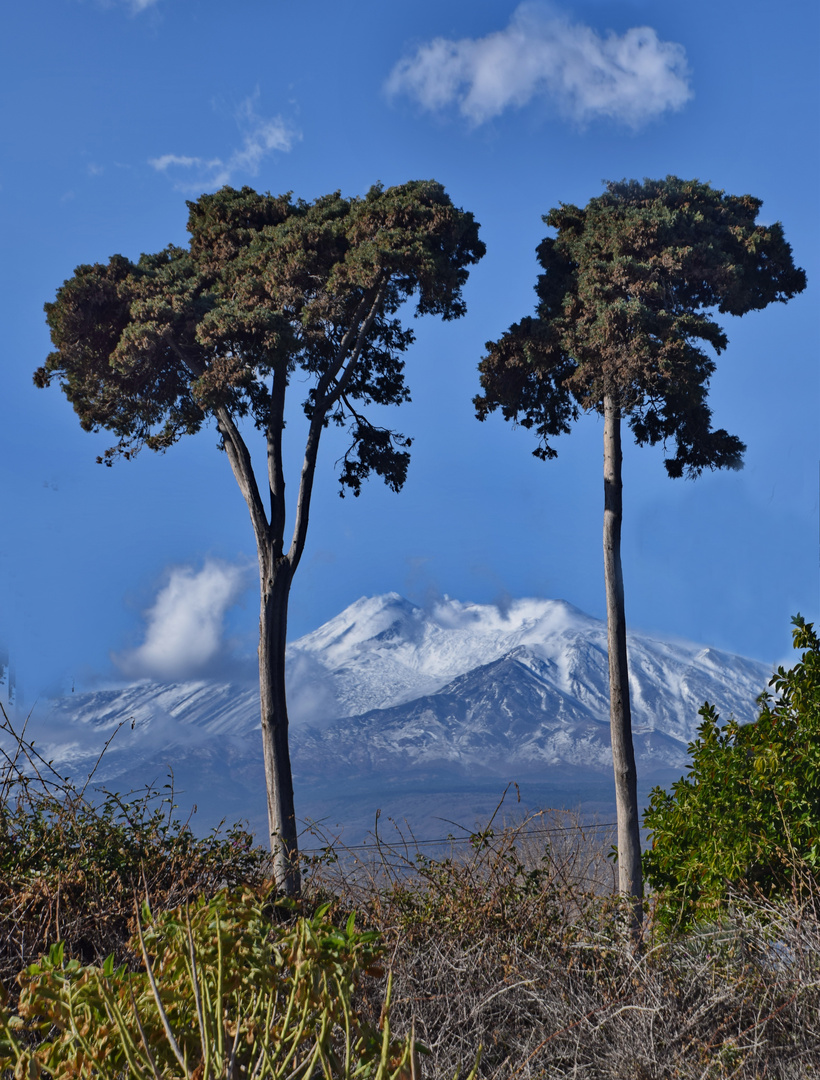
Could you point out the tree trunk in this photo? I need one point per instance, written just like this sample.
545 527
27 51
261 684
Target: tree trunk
630 880
273 625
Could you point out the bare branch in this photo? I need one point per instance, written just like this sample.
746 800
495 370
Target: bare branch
276 475
242 467
343 382
327 395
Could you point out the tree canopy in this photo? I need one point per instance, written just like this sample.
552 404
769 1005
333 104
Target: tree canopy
268 285
627 307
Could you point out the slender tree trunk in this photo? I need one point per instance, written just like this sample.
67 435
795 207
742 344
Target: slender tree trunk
630 880
273 625
276 570
275 577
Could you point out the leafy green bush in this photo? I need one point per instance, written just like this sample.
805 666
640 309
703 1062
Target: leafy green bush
747 816
221 993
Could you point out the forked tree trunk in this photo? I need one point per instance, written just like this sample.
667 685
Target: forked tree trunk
276 569
630 879
273 625
275 576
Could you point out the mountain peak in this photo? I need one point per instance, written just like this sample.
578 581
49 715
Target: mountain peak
363 620
384 651
405 695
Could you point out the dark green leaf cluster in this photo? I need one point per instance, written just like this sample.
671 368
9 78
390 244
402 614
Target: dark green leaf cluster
268 286
748 813
627 308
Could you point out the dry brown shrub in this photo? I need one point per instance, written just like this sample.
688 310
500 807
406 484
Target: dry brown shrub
518 945
512 941
71 864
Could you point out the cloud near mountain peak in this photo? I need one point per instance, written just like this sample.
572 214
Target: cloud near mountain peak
184 634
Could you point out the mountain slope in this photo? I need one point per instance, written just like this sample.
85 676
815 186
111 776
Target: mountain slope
383 652
389 696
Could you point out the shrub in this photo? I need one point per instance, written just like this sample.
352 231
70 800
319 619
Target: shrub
221 993
543 972
747 815
71 866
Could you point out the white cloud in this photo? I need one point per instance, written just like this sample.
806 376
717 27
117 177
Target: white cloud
162 163
134 6
184 636
312 699
631 78
260 137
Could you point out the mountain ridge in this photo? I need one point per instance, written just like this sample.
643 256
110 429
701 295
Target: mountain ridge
390 696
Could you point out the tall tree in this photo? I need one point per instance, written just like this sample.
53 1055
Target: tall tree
626 326
269 290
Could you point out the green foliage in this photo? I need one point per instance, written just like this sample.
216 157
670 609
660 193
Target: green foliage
221 993
627 300
269 286
748 813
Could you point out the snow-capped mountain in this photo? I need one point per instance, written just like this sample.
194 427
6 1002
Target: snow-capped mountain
383 652
389 697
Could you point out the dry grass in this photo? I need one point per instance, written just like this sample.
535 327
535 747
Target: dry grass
518 945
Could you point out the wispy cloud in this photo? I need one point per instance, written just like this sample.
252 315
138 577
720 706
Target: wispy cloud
185 627
134 6
631 78
312 699
260 137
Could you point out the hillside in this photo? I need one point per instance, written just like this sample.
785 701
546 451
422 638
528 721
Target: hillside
409 708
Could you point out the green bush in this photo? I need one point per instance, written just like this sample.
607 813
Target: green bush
747 816
221 993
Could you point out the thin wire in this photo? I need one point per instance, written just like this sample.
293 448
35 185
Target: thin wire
376 844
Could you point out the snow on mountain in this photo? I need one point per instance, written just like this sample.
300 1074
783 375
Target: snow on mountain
154 717
383 651
389 693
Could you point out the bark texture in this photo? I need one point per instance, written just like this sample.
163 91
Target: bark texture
273 626
630 880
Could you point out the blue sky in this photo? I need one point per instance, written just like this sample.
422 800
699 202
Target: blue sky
116 112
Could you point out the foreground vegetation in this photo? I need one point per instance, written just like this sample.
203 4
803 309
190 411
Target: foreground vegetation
748 812
128 947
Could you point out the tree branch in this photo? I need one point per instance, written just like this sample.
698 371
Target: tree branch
242 467
276 473
346 376
324 401
239 458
